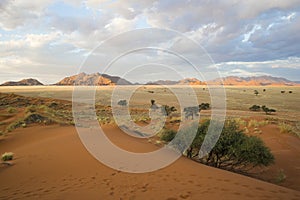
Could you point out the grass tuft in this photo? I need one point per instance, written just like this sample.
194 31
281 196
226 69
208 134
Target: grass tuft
280 177
7 156
11 110
287 128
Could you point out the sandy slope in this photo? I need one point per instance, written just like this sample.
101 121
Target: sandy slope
51 163
286 149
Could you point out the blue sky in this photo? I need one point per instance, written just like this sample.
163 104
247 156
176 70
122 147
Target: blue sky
49 40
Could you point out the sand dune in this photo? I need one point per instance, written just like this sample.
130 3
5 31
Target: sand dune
51 163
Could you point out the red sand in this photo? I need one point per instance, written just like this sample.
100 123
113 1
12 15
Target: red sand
51 163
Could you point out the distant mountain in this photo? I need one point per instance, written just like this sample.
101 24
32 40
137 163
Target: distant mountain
187 81
24 82
254 81
93 79
163 82
232 80
105 79
191 81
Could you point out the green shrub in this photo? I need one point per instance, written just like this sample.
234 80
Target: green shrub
255 108
204 106
122 103
167 110
234 150
11 110
280 177
168 135
30 109
267 110
14 125
7 156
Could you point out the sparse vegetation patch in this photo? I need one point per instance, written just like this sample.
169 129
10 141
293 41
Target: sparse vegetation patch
7 156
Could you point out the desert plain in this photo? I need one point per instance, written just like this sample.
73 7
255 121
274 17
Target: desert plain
50 162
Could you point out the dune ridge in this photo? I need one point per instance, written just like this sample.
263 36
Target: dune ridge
51 163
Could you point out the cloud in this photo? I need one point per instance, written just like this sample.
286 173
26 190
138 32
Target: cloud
288 67
289 63
242 37
17 13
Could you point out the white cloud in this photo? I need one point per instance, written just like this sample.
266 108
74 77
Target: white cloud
20 43
16 13
289 63
243 73
120 24
248 35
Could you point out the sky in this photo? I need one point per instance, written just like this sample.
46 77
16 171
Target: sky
50 39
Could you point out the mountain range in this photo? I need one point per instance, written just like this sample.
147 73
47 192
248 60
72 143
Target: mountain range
107 80
186 81
253 81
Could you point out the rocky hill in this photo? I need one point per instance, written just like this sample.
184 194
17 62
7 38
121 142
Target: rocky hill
24 82
191 81
93 79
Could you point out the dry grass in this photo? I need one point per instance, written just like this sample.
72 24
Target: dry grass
287 128
254 123
238 99
280 177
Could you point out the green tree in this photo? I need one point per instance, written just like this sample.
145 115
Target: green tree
153 104
204 106
167 110
122 103
234 150
267 110
255 108
256 92
191 111
168 135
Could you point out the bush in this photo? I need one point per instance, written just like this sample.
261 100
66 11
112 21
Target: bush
14 125
280 177
30 109
204 106
11 110
267 110
167 110
122 103
234 151
255 108
191 111
168 135
7 156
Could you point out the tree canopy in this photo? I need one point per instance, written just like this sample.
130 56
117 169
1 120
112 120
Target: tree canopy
234 150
